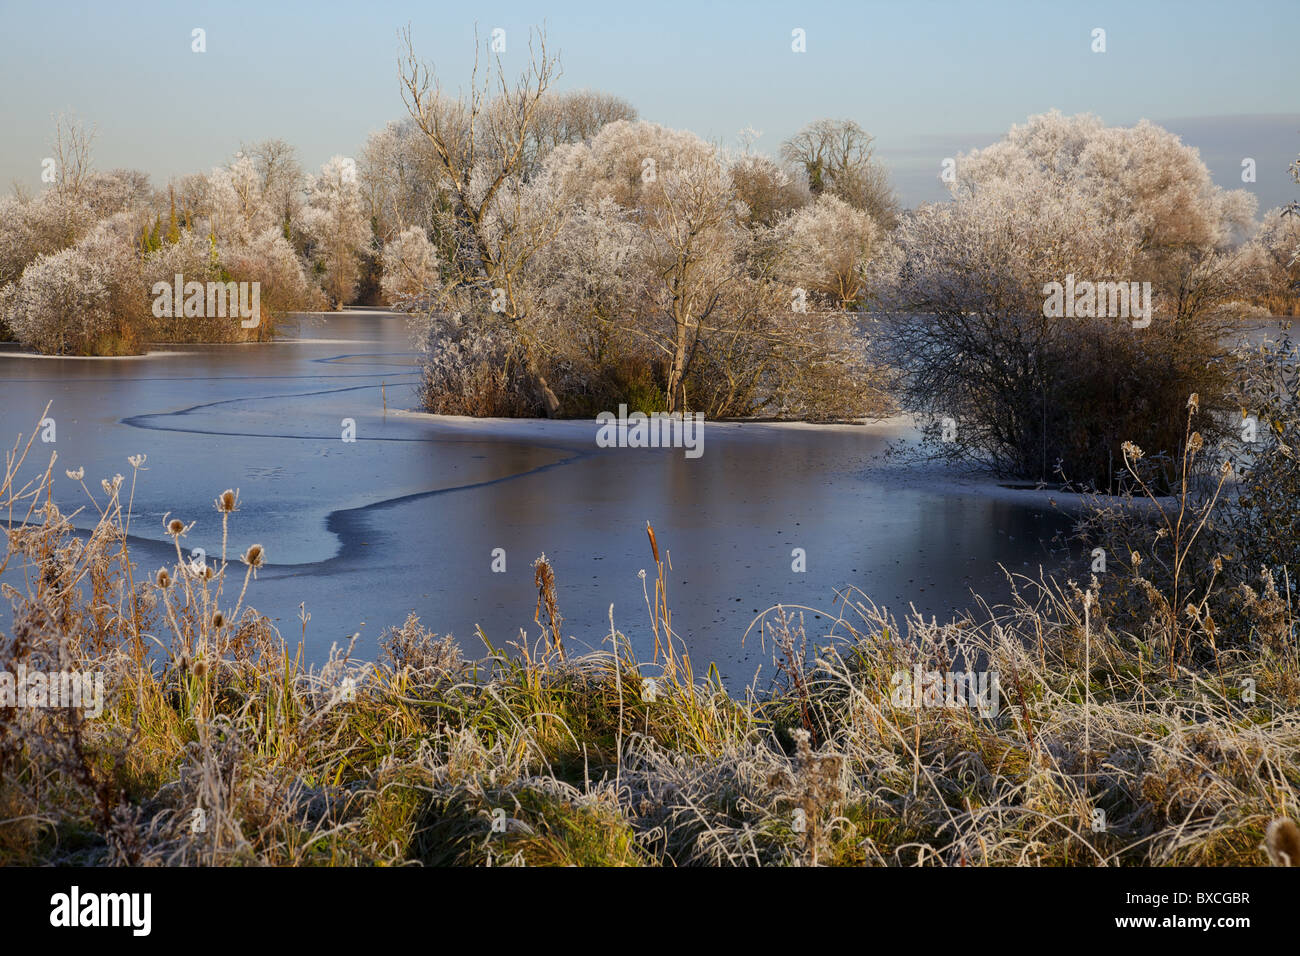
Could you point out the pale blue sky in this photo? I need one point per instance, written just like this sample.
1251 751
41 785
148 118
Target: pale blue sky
928 78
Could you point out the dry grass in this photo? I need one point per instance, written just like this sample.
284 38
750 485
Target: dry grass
530 757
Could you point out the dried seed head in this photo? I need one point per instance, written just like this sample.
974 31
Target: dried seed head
163 579
1131 450
1195 442
200 668
76 475
255 556
175 527
137 460
218 619
228 501
1194 402
1282 840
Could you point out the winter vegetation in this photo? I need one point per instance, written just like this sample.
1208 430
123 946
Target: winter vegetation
1051 398
1177 732
79 261
559 256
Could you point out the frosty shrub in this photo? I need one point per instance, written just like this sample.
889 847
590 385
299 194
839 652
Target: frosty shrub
1045 398
269 259
84 300
475 365
192 257
1261 528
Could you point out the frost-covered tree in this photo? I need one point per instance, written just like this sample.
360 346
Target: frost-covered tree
410 267
574 116
280 179
826 248
237 208
689 229
1060 197
655 286
481 143
769 190
839 158
336 224
400 175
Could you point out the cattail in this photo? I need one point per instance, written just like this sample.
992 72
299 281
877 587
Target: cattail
1282 840
228 501
654 545
163 579
255 556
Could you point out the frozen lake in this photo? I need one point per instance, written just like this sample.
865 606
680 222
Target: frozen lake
406 517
